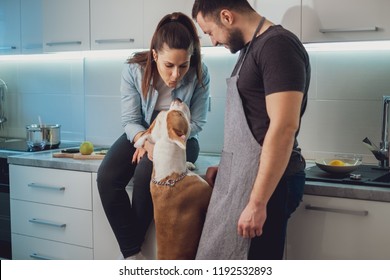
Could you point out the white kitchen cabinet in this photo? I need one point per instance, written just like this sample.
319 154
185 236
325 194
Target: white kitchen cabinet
20 26
346 20
57 214
10 27
65 25
284 12
31 26
116 24
154 11
338 228
51 213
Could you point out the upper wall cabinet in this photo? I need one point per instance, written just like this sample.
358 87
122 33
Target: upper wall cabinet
9 27
284 12
346 20
65 25
31 26
154 11
116 24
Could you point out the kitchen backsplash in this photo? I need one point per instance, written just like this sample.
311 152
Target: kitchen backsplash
81 92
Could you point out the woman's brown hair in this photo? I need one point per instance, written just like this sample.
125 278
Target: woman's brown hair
177 31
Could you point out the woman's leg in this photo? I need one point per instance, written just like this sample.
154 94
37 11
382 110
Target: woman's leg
114 174
192 150
142 199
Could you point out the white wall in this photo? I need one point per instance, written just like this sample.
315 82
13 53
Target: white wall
81 92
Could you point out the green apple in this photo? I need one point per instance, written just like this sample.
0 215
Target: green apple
86 148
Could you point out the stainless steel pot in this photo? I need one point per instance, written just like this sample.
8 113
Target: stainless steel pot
43 136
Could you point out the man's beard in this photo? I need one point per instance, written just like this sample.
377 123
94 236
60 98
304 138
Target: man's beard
235 41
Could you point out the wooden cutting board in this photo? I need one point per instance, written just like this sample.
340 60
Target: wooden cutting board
93 156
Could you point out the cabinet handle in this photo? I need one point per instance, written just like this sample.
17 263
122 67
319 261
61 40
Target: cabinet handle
113 41
47 223
52 44
39 257
7 48
336 210
33 47
40 186
341 30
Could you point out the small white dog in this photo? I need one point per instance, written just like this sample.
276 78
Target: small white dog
180 197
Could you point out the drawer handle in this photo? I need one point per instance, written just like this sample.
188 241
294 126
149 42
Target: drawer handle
52 44
336 210
7 48
40 186
39 257
113 41
341 30
47 223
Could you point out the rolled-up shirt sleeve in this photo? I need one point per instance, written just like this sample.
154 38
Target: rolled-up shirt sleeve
200 103
132 118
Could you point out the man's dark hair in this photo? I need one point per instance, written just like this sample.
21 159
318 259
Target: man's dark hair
213 7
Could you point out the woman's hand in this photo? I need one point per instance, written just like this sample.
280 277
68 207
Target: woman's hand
147 148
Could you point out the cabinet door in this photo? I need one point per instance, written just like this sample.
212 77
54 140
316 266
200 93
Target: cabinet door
51 186
31 26
9 26
154 11
116 24
65 25
62 224
31 248
284 12
346 20
339 228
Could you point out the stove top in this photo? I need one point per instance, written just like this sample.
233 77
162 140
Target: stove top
20 145
365 175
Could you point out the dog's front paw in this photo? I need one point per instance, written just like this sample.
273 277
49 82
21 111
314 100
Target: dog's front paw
191 166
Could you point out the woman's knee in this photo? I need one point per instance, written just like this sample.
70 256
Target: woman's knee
192 150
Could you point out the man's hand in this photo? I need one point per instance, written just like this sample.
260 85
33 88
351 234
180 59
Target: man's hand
251 221
211 174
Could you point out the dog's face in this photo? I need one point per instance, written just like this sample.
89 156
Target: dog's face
172 125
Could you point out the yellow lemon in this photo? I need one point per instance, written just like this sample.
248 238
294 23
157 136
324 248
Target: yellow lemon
337 162
86 148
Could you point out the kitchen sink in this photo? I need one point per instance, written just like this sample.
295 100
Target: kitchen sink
383 179
365 175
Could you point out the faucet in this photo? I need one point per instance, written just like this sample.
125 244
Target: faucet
384 145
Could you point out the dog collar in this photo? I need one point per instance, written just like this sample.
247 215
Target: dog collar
170 182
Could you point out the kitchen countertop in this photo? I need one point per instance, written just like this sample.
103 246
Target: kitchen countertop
46 160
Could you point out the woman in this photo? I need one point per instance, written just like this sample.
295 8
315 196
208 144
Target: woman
170 69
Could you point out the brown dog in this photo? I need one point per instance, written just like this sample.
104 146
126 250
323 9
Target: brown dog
180 197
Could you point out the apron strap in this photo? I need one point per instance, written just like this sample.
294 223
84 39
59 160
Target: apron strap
261 23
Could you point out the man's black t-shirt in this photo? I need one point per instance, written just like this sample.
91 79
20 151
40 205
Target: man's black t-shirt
276 61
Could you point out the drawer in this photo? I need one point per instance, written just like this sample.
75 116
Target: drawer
63 224
51 186
31 248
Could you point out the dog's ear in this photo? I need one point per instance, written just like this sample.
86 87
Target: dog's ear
178 128
146 135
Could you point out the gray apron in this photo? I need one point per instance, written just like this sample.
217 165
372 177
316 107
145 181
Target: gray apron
235 178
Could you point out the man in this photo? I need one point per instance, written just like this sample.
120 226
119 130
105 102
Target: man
261 175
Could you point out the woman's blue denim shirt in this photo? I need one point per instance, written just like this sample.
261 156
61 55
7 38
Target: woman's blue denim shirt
137 111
